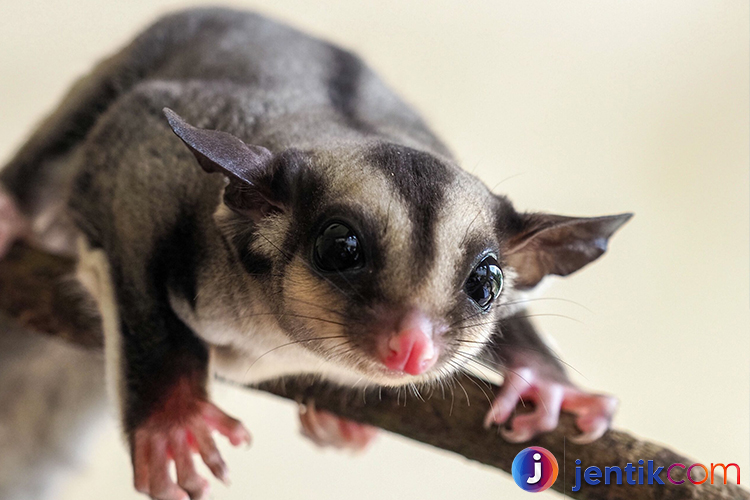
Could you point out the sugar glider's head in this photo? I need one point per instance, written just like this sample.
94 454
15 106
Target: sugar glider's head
382 259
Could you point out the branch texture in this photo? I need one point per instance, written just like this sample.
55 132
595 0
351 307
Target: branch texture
36 291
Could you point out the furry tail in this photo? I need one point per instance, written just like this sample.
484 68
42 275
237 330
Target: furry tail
50 395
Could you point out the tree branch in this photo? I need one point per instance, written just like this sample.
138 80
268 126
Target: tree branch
36 291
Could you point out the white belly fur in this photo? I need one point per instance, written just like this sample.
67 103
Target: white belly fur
250 357
93 272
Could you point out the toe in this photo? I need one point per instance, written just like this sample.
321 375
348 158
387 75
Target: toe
187 477
161 485
304 420
547 398
327 429
321 427
546 415
140 463
544 418
581 403
592 428
518 433
356 436
502 407
593 412
229 427
210 453
515 387
311 426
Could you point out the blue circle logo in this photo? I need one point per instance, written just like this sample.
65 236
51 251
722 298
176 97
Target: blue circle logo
535 469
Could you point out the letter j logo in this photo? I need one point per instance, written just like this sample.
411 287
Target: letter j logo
535 469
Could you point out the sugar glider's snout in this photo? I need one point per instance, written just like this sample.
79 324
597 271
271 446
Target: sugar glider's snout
413 347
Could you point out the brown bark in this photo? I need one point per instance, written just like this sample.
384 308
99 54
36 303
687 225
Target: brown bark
36 291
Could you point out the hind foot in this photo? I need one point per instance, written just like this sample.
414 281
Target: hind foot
549 396
326 429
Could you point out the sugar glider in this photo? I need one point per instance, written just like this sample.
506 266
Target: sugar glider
251 202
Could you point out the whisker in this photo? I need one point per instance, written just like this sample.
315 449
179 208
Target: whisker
508 381
457 381
507 179
548 352
467 318
539 396
463 341
536 299
517 302
293 343
453 398
292 315
416 392
289 258
481 389
468 403
334 311
466 235
471 359
341 275
464 327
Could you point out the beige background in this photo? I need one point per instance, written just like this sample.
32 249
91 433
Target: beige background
576 107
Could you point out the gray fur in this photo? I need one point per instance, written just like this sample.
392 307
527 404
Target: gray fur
266 84
182 277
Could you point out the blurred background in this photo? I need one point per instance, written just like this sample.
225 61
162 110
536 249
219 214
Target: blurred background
576 107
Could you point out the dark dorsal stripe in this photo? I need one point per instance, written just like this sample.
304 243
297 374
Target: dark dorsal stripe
343 87
421 180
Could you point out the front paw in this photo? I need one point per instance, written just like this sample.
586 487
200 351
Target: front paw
155 444
593 412
327 429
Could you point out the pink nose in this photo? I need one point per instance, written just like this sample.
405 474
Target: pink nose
412 349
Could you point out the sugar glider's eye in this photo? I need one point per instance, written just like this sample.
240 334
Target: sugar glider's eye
337 248
485 282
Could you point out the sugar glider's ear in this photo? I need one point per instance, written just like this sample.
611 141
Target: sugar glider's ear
249 169
553 244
